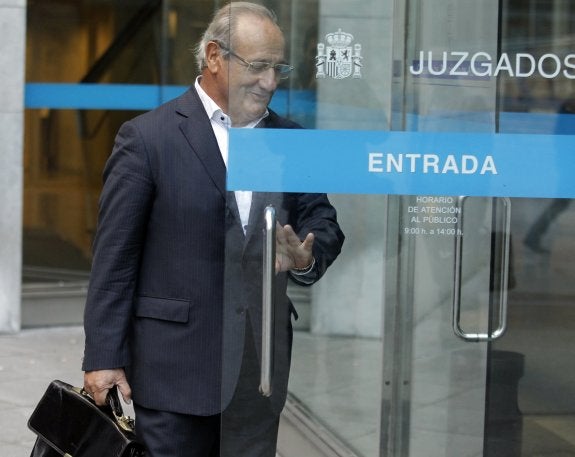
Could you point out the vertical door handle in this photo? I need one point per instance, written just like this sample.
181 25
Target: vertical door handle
502 315
267 352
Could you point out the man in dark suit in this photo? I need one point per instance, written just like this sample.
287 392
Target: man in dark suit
173 314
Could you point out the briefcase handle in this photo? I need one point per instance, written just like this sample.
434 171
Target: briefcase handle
113 400
125 422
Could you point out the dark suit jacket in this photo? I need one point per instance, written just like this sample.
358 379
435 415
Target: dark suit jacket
173 276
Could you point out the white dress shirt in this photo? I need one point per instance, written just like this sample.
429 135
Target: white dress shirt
221 124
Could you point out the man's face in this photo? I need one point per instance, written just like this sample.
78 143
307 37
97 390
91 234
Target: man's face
256 40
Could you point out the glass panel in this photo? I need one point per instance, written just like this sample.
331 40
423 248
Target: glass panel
502 72
335 379
83 58
538 414
65 150
520 86
435 383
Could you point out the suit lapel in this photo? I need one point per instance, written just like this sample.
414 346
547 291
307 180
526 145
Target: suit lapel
197 129
256 211
199 134
233 206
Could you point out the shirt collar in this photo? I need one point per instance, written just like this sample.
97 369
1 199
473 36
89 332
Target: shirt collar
215 113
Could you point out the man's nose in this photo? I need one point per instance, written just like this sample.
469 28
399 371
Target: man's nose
269 79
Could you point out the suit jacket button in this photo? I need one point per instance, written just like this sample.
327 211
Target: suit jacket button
239 310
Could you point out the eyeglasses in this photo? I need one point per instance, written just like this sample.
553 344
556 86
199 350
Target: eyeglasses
282 70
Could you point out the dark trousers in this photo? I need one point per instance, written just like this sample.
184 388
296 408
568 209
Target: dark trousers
178 435
247 428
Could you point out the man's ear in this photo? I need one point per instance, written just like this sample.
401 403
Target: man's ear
213 57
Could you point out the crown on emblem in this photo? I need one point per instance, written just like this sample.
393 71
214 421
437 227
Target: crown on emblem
339 38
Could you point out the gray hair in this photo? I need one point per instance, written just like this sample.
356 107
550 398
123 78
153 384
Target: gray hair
223 25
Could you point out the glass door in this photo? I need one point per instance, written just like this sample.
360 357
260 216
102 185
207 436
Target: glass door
478 267
440 132
332 403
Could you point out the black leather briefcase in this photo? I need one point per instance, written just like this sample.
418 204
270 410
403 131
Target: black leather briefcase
69 424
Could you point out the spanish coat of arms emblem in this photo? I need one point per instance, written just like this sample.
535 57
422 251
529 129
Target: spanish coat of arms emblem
338 59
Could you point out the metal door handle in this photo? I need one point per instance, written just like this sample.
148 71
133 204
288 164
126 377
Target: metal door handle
269 257
502 317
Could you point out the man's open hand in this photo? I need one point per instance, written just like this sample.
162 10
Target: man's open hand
291 252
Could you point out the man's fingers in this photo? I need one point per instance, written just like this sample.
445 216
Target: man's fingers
280 233
126 392
99 396
308 242
98 384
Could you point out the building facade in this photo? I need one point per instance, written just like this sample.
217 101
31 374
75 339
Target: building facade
441 130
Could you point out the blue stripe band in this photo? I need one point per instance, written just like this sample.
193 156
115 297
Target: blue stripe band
526 165
377 162
99 96
299 104
140 97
